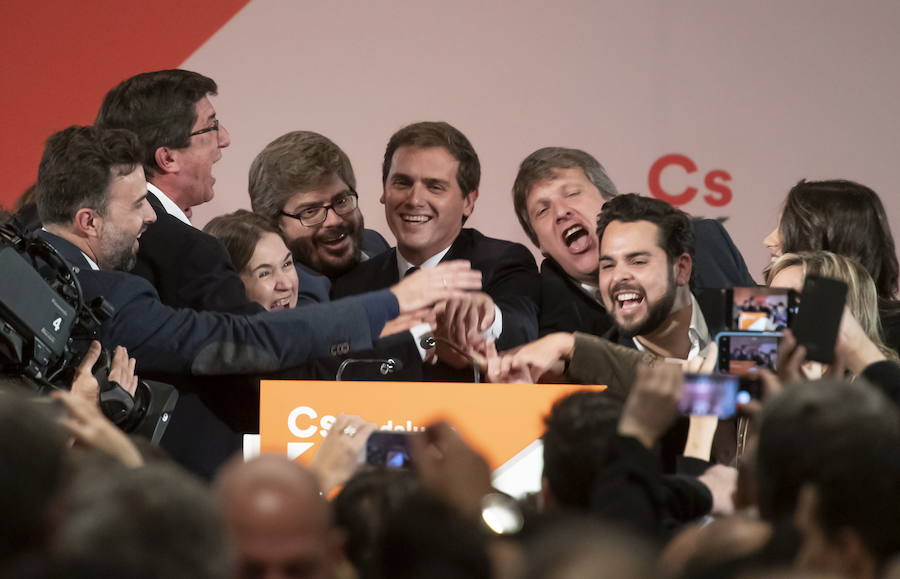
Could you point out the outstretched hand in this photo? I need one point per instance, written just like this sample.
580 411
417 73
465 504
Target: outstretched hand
539 359
431 285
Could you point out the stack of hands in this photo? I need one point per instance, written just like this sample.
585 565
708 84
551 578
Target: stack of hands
447 297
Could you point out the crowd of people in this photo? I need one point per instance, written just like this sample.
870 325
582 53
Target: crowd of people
804 482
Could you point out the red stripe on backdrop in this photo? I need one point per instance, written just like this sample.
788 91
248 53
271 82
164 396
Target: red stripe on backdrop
58 59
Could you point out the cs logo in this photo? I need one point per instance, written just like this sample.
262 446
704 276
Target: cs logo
718 192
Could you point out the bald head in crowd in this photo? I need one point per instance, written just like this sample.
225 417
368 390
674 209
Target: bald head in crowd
280 524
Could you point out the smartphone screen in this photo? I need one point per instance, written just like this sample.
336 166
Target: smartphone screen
744 352
762 309
709 395
390 449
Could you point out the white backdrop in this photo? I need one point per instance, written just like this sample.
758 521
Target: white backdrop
768 92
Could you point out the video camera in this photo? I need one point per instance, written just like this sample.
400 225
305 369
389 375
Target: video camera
46 327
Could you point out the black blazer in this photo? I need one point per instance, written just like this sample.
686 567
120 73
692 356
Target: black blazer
189 268
509 276
565 307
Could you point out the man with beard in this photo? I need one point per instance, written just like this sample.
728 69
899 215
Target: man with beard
304 184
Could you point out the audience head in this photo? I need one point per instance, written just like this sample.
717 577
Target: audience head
426 537
365 503
837 442
176 123
575 548
291 180
557 195
281 526
148 522
842 217
431 175
579 430
33 469
791 269
91 190
260 256
646 260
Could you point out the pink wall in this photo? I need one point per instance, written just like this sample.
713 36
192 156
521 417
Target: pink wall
768 92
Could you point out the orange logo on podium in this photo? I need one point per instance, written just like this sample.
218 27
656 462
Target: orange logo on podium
498 419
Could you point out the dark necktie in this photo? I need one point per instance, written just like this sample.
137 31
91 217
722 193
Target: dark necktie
411 270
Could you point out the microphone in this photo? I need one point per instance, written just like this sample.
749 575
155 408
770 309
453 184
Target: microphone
388 365
430 341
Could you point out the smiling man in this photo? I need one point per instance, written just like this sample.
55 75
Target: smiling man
303 183
182 138
431 176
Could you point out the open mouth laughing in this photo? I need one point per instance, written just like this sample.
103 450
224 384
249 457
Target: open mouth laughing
415 218
627 300
281 304
576 238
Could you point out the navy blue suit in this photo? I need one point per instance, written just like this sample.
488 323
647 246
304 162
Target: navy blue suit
182 341
170 344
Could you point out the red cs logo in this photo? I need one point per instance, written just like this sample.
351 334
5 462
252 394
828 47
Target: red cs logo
715 181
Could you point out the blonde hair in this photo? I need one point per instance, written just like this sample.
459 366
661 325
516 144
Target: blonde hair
862 297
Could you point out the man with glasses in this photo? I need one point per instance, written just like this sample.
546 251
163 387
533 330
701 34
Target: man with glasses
304 184
171 113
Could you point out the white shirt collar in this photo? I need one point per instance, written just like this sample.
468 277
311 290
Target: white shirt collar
698 332
168 204
90 261
403 265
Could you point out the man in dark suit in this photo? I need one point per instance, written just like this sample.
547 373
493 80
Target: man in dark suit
431 175
171 113
557 195
93 203
304 184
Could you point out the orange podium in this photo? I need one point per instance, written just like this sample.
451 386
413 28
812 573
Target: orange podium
499 420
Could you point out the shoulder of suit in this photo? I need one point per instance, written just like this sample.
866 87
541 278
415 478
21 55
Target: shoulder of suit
357 276
503 245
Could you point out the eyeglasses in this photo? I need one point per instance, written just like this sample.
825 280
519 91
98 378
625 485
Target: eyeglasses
312 216
213 127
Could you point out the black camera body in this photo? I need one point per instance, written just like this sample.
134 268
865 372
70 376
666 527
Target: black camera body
46 326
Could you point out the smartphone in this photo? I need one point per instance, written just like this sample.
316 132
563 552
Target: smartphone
761 309
389 449
709 395
750 387
743 352
819 320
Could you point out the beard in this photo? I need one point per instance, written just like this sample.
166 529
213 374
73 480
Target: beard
118 253
311 252
657 313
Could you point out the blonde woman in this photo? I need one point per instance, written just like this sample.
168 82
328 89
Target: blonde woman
861 330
